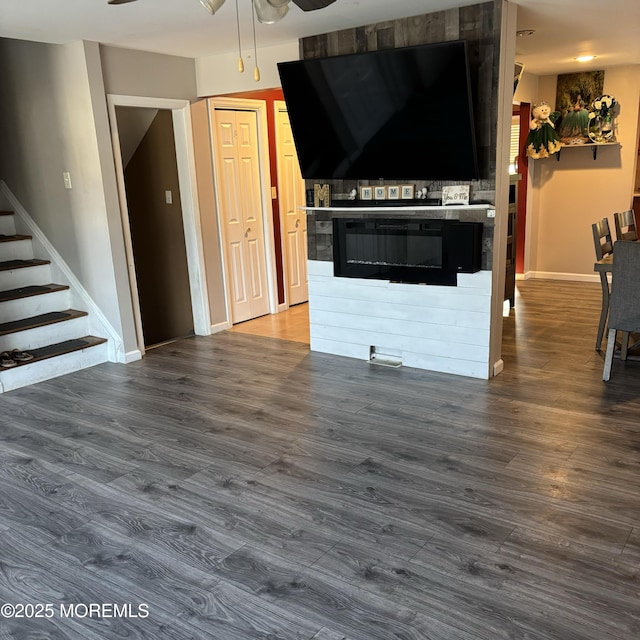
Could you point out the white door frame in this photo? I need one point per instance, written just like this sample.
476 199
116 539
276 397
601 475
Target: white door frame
181 115
277 105
260 109
281 105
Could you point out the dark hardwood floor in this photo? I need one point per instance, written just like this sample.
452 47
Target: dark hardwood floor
243 488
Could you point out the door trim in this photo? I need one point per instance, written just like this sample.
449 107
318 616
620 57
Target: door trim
277 106
280 106
260 109
183 137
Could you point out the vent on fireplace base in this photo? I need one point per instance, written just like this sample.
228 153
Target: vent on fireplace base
384 357
406 250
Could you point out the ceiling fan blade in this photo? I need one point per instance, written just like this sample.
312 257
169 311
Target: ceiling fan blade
312 5
120 1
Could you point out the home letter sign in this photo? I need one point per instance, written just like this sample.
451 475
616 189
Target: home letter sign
321 195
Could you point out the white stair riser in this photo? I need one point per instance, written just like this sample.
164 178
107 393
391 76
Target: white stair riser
53 367
34 305
16 250
7 225
16 278
30 306
42 336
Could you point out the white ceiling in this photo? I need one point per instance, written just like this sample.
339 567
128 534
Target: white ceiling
609 29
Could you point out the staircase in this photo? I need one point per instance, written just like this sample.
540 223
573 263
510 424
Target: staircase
35 316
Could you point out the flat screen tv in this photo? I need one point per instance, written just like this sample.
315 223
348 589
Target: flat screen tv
396 114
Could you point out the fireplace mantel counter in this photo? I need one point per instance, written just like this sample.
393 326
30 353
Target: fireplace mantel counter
403 209
433 327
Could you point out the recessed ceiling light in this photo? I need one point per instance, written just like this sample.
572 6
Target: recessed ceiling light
585 58
525 32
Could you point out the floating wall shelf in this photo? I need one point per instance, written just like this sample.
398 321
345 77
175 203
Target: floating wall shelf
589 145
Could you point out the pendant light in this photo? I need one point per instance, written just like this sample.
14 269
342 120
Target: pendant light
256 70
267 12
240 60
212 5
270 12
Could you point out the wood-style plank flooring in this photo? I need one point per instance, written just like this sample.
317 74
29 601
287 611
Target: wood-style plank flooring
292 324
245 489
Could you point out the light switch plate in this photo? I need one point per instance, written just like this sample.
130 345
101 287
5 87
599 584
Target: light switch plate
168 197
66 176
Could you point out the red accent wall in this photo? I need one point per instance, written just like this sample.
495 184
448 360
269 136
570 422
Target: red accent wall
524 110
270 96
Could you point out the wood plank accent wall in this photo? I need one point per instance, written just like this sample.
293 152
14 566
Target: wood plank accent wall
478 24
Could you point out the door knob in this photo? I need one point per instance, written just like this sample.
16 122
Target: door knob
246 233
297 223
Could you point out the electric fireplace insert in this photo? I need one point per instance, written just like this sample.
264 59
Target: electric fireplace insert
406 250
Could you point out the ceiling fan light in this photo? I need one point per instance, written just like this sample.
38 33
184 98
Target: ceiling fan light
267 13
212 5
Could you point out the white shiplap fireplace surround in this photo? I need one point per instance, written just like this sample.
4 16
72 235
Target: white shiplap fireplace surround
438 328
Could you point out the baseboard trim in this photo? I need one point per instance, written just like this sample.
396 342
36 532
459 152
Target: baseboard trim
221 326
554 275
132 356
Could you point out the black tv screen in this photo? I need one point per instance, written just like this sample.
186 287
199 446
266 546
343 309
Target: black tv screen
396 114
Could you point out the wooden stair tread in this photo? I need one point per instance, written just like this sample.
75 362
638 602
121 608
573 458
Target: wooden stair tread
32 290
13 238
58 349
8 265
40 321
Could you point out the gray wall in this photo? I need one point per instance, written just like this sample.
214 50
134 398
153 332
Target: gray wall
53 118
153 75
48 126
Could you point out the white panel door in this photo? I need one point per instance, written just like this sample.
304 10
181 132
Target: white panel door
238 176
293 219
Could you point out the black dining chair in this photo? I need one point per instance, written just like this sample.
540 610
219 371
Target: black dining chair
625 222
602 238
624 303
604 247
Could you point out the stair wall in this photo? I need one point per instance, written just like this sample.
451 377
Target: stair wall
97 324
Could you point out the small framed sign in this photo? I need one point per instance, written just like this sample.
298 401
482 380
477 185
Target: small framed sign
457 194
380 193
366 193
393 193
